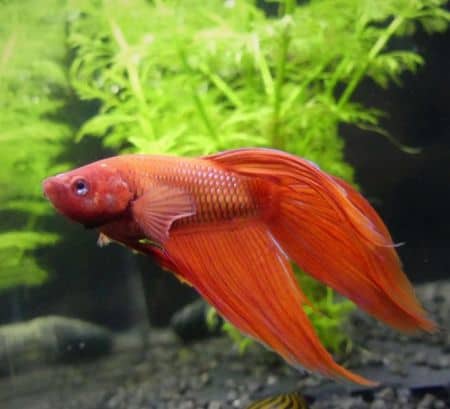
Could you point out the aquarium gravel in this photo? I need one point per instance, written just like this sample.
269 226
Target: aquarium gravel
209 374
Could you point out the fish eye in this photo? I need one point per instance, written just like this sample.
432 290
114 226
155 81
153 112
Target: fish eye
80 187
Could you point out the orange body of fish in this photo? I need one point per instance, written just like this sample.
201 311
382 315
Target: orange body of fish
231 223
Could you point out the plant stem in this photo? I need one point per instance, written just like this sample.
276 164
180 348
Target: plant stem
204 115
7 51
131 65
261 62
132 70
286 8
197 99
222 86
378 46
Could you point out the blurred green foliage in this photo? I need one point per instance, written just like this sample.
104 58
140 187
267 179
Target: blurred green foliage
188 77
194 77
33 89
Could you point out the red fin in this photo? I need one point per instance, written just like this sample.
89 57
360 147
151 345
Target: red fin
164 260
243 273
396 282
334 234
158 208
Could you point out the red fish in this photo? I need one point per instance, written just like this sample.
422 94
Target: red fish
230 223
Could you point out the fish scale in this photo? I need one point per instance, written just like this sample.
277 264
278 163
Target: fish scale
218 194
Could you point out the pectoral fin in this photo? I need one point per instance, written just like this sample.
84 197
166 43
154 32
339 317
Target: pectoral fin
159 207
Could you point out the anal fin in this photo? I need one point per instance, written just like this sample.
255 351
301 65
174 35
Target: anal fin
246 276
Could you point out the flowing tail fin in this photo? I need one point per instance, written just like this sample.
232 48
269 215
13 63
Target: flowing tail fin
241 271
333 234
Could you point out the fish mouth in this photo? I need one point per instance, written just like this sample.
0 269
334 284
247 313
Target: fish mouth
45 188
53 189
49 188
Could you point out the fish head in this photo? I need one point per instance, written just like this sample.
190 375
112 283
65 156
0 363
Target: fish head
92 195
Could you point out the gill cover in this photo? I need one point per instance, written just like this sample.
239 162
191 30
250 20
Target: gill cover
91 195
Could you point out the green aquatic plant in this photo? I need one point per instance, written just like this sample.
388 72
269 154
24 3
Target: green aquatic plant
194 77
33 90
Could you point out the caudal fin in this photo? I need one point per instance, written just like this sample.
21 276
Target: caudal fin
333 234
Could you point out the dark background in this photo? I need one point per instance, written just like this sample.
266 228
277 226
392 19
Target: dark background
412 192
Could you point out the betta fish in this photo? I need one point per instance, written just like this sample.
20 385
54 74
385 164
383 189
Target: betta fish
230 224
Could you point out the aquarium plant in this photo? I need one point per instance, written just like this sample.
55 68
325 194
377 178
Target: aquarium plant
195 77
34 89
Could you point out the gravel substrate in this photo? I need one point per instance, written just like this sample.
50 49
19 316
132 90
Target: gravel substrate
414 371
